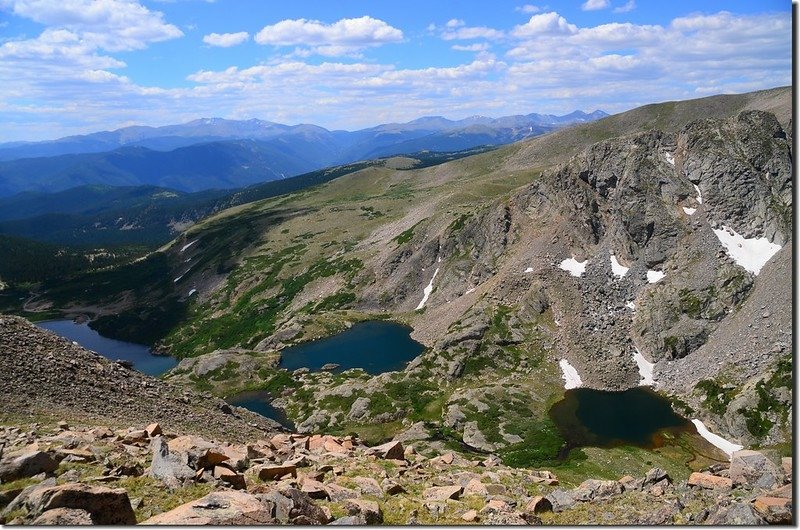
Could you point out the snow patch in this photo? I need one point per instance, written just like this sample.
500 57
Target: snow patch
470 291
752 254
618 269
176 280
718 441
699 197
428 290
529 269
655 276
570 375
670 158
192 292
573 266
645 369
689 211
630 305
187 245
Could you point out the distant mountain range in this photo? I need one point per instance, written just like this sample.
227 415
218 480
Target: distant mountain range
215 153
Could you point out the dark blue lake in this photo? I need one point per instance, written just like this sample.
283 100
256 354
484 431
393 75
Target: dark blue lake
140 355
259 402
376 346
598 418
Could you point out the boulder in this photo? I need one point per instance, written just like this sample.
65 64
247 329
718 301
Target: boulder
391 487
314 489
496 506
737 513
369 510
304 511
153 430
593 489
218 508
368 486
561 500
26 465
774 510
655 474
475 487
389 451
359 409
106 505
64 517
332 446
350 520
539 505
755 470
629 483
786 464
269 472
339 493
138 436
19 500
229 476
166 466
710 482
470 516
473 437
196 452
441 493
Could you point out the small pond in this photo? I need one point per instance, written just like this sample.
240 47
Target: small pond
599 418
376 346
140 355
259 402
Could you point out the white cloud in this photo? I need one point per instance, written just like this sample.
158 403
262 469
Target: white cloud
468 33
629 6
528 9
346 36
545 24
454 23
60 83
477 47
226 40
111 25
594 5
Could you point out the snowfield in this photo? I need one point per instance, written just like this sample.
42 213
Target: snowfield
655 276
752 254
187 245
573 266
617 269
718 441
428 290
570 375
645 369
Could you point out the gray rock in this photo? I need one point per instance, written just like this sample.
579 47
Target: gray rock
359 409
755 470
27 465
737 513
561 499
166 466
218 508
64 517
474 437
106 506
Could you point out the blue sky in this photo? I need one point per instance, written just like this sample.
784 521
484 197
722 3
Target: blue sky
77 66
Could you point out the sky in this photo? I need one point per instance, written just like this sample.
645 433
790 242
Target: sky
79 66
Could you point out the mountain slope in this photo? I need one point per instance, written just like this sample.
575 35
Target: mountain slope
492 235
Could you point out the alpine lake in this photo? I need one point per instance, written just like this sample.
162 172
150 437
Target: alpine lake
584 417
